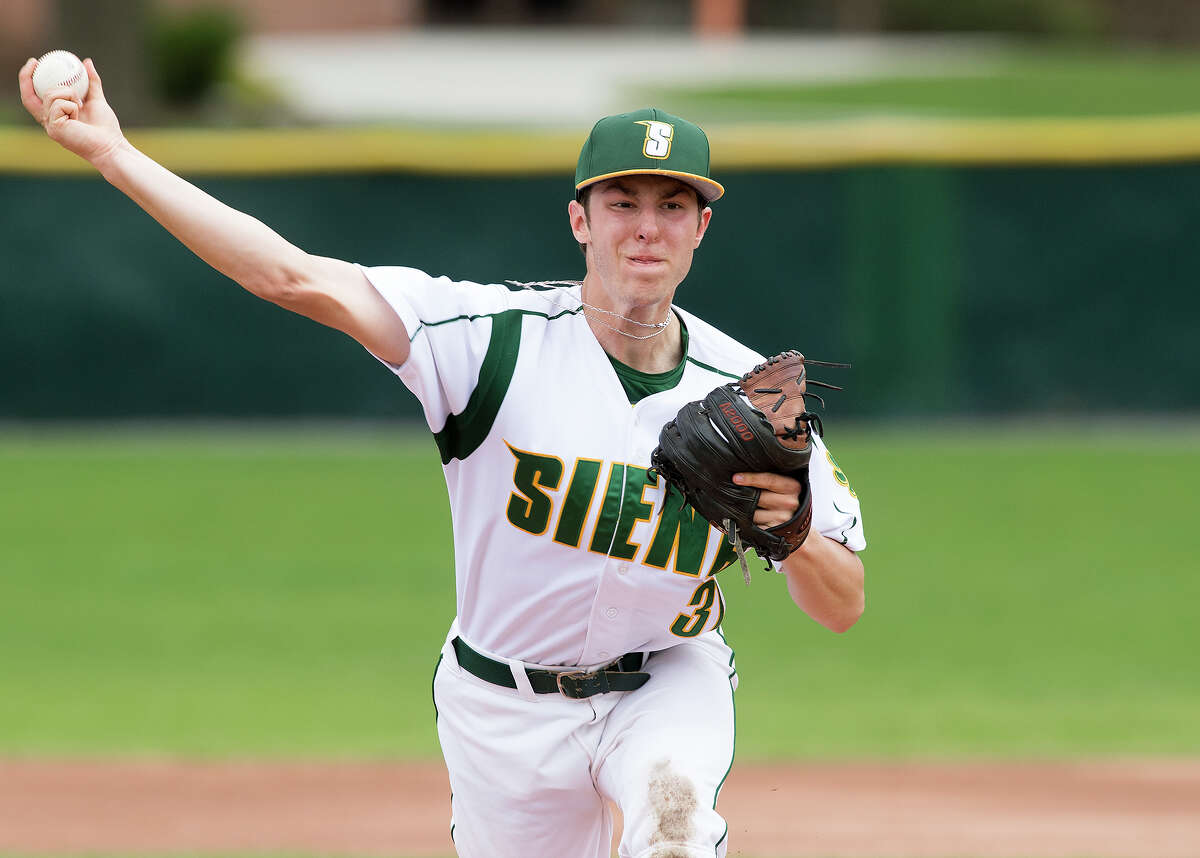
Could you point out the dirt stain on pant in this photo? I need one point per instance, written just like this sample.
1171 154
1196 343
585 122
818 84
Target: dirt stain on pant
673 800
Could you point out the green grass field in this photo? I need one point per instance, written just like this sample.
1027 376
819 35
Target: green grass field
1022 83
1030 592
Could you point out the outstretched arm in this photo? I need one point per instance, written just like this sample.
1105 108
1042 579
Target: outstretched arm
329 291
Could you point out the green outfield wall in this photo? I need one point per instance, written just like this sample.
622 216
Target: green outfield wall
1057 280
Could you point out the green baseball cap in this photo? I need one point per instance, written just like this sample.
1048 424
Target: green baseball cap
647 142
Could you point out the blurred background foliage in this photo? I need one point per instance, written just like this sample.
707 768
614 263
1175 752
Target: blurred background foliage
172 61
163 63
1069 19
191 52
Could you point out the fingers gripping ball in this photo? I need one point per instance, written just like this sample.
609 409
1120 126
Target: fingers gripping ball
756 424
57 69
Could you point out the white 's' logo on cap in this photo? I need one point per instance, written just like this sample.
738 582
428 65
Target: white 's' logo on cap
658 138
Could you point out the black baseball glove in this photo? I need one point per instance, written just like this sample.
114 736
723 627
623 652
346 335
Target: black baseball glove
757 424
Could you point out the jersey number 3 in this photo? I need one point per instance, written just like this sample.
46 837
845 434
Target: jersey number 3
703 600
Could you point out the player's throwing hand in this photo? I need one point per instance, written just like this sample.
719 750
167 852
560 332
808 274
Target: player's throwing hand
87 127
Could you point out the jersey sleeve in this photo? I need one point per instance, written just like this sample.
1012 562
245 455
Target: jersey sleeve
449 326
836 510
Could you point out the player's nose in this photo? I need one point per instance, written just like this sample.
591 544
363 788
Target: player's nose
648 226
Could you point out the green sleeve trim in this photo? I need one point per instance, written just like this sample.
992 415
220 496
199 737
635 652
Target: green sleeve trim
463 433
845 538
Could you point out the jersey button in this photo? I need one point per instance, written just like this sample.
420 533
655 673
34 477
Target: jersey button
611 612
603 653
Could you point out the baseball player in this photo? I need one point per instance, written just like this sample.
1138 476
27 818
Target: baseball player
586 662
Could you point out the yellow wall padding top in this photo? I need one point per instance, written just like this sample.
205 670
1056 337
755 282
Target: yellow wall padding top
743 146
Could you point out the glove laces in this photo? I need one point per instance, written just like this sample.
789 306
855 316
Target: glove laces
732 530
740 550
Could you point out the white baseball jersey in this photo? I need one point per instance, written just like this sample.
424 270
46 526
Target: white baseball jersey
567 552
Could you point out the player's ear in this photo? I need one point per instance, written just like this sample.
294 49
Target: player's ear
702 226
579 223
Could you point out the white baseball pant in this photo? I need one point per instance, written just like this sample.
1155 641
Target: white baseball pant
530 773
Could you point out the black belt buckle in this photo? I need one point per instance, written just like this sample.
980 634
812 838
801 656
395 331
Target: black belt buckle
578 684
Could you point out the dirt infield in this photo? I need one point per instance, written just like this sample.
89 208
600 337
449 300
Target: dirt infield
1147 809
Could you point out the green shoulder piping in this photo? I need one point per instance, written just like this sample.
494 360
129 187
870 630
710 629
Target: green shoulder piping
466 318
712 368
463 433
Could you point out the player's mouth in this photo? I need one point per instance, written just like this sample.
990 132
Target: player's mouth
646 260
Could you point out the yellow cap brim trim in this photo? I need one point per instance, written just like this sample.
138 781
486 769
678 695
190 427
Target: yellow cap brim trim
712 191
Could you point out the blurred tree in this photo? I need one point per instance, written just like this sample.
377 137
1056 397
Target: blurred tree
775 15
1171 22
1068 18
114 34
859 15
192 52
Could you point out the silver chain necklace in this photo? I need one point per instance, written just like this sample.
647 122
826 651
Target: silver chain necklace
658 326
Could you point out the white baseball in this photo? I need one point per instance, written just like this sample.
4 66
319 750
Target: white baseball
60 68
